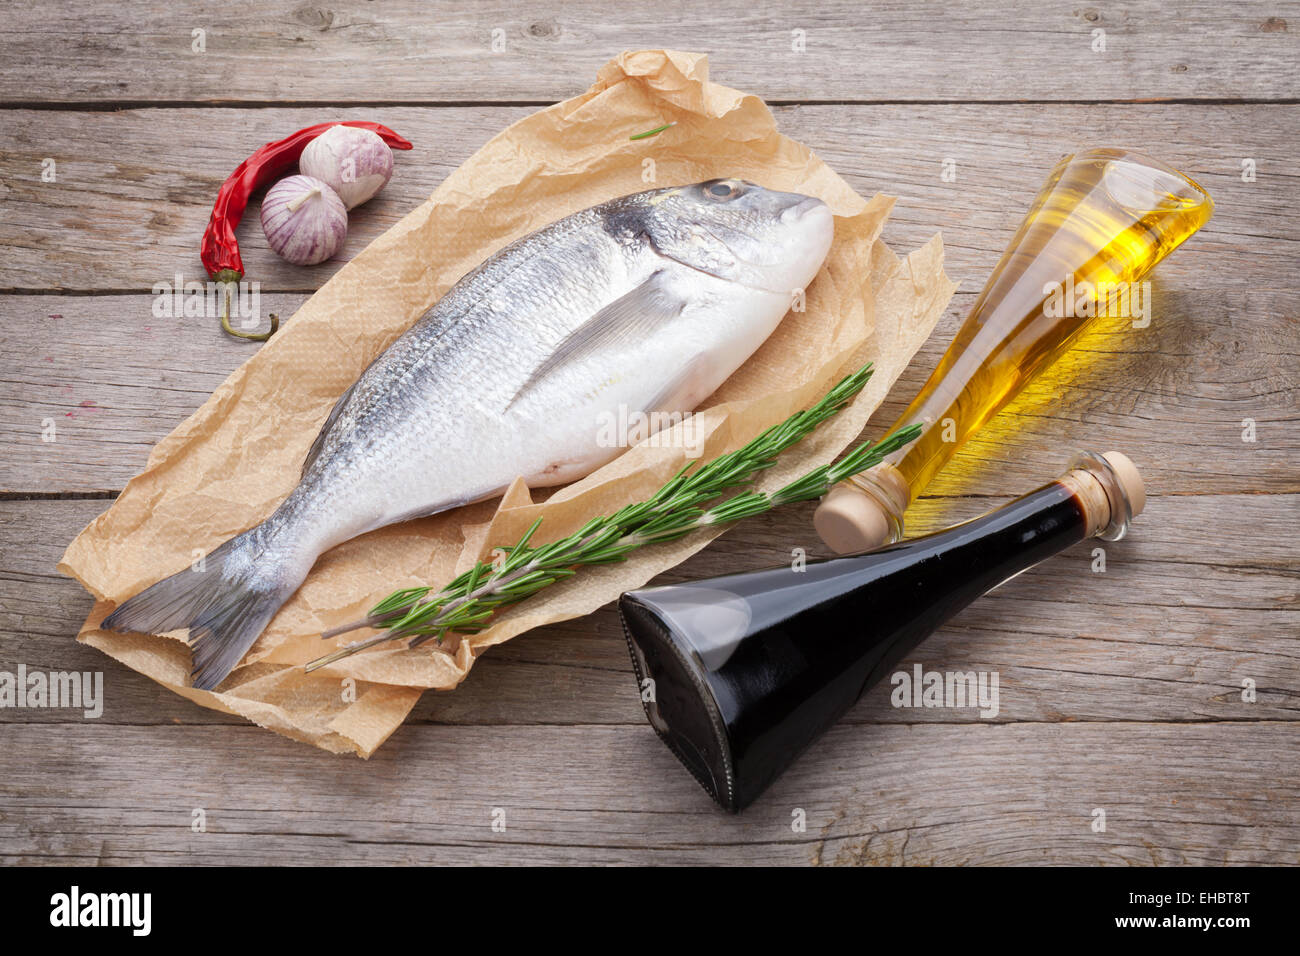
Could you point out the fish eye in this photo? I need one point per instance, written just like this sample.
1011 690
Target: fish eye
723 189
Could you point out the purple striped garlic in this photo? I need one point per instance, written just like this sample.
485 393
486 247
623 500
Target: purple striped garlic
356 163
305 221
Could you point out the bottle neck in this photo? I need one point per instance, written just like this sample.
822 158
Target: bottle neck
1091 478
986 551
887 487
1088 500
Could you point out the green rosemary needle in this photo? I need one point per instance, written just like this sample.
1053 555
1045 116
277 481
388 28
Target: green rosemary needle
652 132
688 502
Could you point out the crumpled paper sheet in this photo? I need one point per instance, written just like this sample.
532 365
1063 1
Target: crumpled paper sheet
226 467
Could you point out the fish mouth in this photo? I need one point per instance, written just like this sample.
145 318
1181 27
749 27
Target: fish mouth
802 208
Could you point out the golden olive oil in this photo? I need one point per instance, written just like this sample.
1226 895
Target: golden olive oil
1104 218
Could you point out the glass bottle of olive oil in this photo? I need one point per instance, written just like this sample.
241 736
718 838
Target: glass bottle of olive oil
1104 218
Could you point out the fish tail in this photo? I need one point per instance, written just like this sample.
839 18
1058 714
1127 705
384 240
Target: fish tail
226 600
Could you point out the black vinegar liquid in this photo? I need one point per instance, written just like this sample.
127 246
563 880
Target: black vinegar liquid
739 674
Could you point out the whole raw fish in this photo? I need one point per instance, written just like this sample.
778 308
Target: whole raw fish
633 310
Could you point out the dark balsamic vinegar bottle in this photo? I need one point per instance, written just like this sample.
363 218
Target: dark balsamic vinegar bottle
749 669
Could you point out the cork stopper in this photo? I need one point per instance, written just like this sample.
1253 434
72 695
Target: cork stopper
1110 490
1129 479
850 520
863 513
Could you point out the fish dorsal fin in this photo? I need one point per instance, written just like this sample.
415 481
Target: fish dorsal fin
627 318
314 452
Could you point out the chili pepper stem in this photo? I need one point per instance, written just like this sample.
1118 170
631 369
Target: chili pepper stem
252 336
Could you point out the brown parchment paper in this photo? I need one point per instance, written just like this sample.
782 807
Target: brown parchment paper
226 467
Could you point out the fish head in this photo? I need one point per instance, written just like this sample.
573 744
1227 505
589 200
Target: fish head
741 232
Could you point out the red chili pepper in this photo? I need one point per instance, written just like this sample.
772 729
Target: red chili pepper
220 248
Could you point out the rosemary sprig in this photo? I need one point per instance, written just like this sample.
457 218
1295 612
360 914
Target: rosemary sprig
684 504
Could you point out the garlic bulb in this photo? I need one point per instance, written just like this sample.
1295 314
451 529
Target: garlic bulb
304 220
356 163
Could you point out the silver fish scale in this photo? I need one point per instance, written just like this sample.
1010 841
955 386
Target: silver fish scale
431 424
385 456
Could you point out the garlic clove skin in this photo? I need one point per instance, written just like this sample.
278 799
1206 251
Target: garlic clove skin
305 221
356 163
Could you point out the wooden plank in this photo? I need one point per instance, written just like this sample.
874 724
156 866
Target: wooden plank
411 51
130 217
105 380
1001 155
1168 631
1007 794
1173 395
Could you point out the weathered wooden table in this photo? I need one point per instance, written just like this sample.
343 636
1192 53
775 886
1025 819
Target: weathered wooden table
1121 691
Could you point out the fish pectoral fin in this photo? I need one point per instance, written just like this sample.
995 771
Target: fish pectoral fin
624 320
676 393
